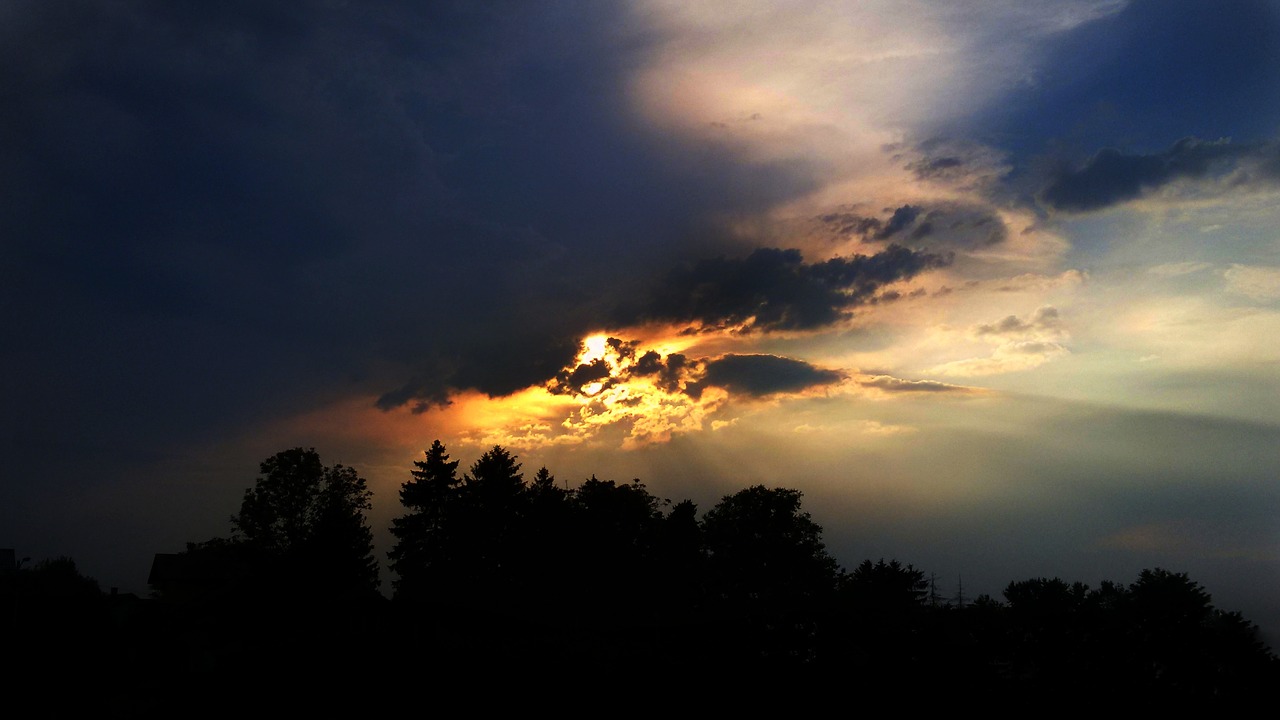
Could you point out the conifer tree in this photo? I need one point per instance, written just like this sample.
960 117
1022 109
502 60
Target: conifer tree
420 533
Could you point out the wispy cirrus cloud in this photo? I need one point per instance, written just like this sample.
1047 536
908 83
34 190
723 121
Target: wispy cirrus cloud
890 384
1260 283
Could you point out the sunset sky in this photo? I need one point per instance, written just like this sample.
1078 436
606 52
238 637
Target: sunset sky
994 283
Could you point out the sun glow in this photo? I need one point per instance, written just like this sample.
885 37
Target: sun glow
642 388
593 348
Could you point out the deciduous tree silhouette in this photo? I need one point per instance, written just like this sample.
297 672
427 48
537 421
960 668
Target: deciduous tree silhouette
1170 631
769 575
54 629
884 588
296 583
306 524
1158 641
876 628
1047 635
618 533
764 547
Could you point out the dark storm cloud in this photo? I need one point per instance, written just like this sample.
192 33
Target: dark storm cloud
760 375
398 198
1111 177
669 372
1152 73
219 214
774 289
493 368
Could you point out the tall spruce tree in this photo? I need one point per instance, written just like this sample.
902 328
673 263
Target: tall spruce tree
421 542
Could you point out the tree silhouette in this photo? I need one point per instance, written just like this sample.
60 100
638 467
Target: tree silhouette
677 594
305 523
462 556
619 525
1050 638
769 575
498 576
763 546
616 534
877 626
421 534
55 626
296 583
882 587
1158 641
487 537
1170 632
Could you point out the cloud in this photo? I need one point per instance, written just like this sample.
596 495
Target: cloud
890 384
965 166
936 167
940 226
761 375
874 427
619 389
668 372
1044 319
1020 344
622 363
1257 282
960 226
1178 269
490 366
1034 282
775 290
614 362
901 219
898 68
339 199
1151 72
1009 357
847 223
1112 177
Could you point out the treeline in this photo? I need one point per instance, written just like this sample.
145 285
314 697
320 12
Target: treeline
502 580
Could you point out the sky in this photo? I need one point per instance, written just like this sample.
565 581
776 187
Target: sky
995 284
